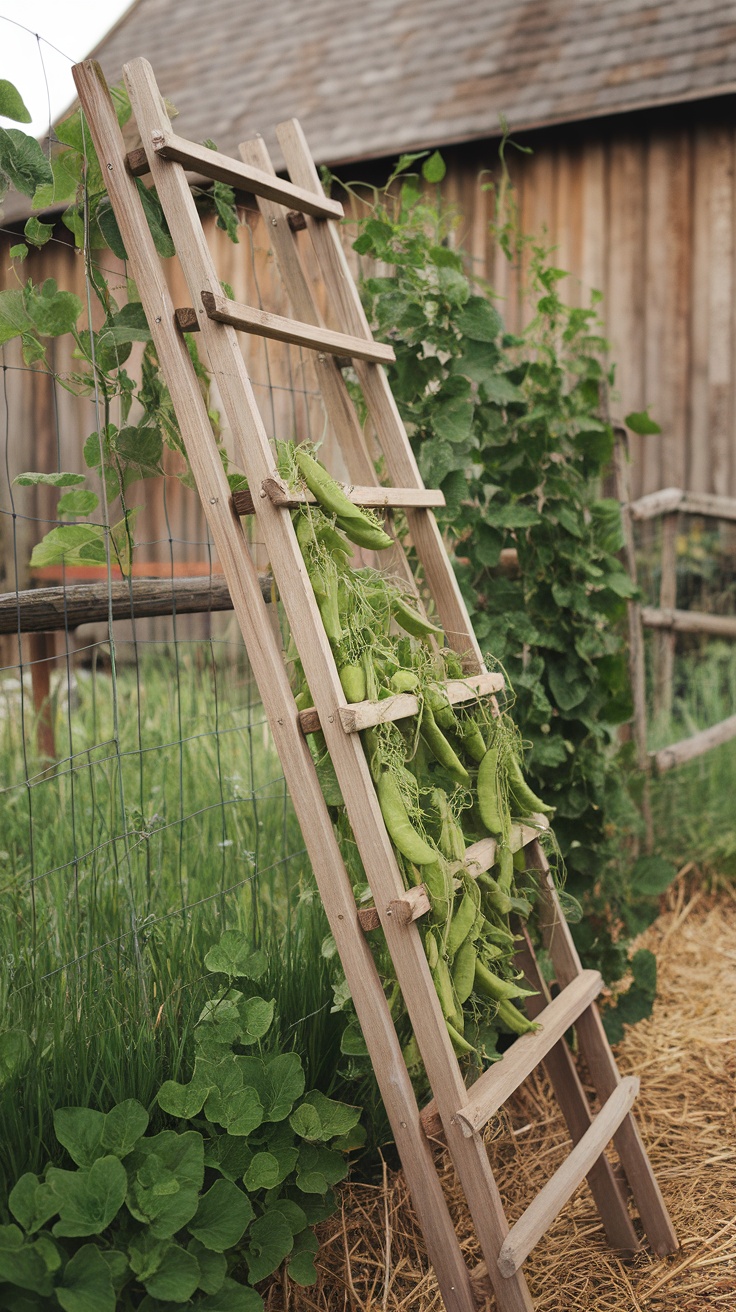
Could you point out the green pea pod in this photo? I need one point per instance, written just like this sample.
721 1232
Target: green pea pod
365 533
461 1046
441 749
505 876
527 802
500 901
463 970
520 860
438 882
493 987
513 1019
472 739
396 818
446 993
352 678
334 541
451 840
405 681
461 924
441 709
330 496
411 621
489 797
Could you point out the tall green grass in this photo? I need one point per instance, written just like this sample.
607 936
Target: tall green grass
693 805
167 822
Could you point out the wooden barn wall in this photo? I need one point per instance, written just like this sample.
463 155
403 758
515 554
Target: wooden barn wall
645 213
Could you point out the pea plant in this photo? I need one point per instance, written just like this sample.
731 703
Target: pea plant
122 450
512 428
199 1213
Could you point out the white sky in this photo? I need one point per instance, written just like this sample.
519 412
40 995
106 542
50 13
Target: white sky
29 32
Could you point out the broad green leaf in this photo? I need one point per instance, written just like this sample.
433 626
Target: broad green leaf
567 685
228 1155
108 225
352 1042
51 312
22 1264
281 1082
71 544
184 1100
124 1126
293 1214
79 502
145 1254
222 1217
478 320
652 876
38 233
31 1202
23 161
19 251
319 1168
640 421
333 1117
80 1130
14 319
305 1122
176 1277
159 1165
212 1266
434 168
156 221
11 103
453 286
88 1200
234 956
301 1266
11 1239
269 1241
86 1285
499 389
48 480
66 169
231 1297
263 1172
256 1016
512 515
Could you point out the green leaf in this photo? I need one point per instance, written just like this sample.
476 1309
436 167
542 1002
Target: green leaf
212 1266
48 480
156 221
71 544
234 956
256 1016
269 1241
14 319
11 103
176 1277
31 1203
19 251
352 1042
222 1217
165 1174
66 170
87 1200
231 1297
15 1051
263 1172
652 876
640 421
434 168
184 1100
124 1126
301 1266
108 225
22 1264
479 320
86 1285
80 1130
79 502
319 1168
38 233
23 161
52 313
332 1118
293 1214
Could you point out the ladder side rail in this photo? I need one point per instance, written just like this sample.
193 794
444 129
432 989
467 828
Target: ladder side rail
267 662
339 405
607 1192
603 1070
403 468
254 454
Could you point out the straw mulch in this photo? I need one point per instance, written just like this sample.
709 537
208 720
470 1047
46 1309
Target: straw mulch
372 1256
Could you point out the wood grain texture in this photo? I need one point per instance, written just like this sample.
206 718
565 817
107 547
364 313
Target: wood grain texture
265 656
540 1214
373 498
699 743
254 320
363 715
688 621
496 1085
601 1064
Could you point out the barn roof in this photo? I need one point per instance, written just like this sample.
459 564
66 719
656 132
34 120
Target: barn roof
375 78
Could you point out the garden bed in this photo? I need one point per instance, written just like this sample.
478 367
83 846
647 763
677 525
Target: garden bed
372 1252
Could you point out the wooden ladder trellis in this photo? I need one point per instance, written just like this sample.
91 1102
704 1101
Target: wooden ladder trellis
456 1112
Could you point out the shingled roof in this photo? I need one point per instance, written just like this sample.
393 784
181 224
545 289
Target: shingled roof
375 78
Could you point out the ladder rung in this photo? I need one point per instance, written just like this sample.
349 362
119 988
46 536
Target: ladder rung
411 906
241 176
528 1050
538 1217
372 498
280 329
500 1080
482 855
364 715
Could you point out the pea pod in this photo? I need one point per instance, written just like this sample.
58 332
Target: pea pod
463 971
438 882
493 987
352 678
451 1009
441 709
364 533
441 749
527 802
405 681
513 1019
489 796
505 876
463 920
460 1045
400 828
411 621
472 739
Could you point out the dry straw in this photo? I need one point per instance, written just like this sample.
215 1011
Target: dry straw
372 1256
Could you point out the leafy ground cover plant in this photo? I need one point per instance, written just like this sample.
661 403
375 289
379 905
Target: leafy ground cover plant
512 428
201 1212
